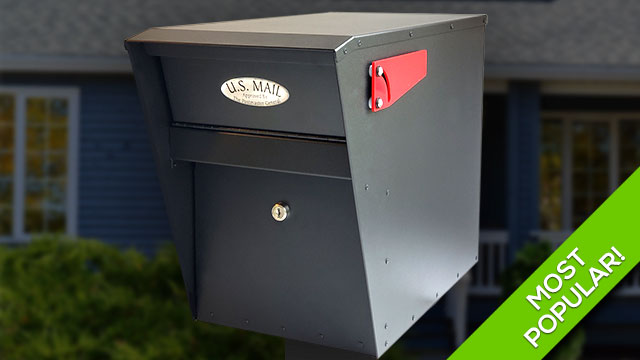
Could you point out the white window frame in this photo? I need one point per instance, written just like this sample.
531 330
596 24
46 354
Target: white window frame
568 118
21 93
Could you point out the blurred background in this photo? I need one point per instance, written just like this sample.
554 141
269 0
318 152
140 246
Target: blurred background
561 132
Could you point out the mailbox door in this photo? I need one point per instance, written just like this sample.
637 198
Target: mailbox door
301 278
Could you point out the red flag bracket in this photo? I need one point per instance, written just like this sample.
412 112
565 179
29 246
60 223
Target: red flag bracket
393 77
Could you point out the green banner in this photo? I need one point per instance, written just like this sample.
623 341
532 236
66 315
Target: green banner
566 286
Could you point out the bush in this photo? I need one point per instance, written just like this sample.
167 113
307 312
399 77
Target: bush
82 299
66 299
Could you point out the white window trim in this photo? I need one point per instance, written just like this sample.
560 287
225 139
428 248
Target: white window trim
567 118
72 94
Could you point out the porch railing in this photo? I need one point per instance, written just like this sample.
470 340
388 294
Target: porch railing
492 261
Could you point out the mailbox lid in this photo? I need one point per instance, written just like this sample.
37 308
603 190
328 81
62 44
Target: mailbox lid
297 53
312 31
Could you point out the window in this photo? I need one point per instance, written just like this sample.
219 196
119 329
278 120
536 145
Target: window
584 157
38 161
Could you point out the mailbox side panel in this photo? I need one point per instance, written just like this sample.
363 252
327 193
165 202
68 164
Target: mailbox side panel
175 179
416 176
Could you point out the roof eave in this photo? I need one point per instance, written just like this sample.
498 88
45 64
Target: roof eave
65 64
536 72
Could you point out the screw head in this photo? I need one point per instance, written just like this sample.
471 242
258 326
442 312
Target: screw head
379 71
280 211
379 103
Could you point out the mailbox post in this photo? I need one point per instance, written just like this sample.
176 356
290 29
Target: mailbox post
321 173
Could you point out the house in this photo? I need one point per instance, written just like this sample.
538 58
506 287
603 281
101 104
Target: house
561 128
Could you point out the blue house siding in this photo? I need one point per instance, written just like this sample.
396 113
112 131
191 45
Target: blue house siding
119 198
121 202
523 146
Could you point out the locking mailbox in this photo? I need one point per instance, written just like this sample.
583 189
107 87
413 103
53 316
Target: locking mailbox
321 172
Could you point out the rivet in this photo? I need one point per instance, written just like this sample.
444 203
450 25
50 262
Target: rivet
387 260
379 71
458 275
366 186
321 336
476 257
379 103
413 318
211 314
388 192
436 295
386 326
283 329
410 33
246 321
451 26
360 344
369 103
359 42
344 51
386 343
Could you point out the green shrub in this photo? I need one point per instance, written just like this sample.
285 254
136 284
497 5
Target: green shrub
82 299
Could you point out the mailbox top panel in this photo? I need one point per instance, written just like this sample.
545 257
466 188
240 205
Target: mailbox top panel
327 31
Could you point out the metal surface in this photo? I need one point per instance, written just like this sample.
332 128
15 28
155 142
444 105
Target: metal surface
330 31
426 150
280 153
313 106
296 350
176 179
384 205
305 274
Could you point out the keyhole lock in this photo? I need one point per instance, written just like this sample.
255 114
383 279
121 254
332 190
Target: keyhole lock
280 211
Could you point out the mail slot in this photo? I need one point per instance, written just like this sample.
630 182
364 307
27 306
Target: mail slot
321 173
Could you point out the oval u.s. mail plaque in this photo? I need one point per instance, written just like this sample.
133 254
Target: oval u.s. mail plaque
255 91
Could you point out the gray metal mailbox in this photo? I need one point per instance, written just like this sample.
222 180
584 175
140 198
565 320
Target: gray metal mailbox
321 172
